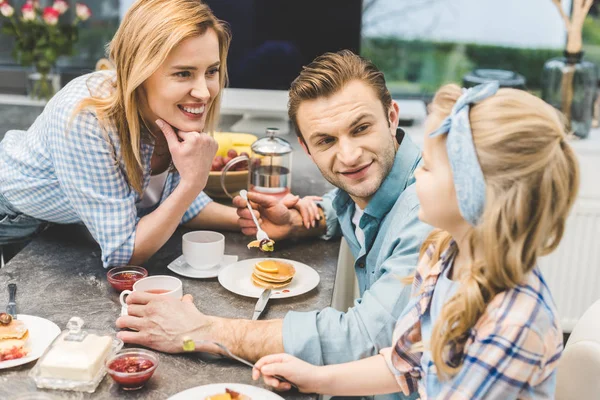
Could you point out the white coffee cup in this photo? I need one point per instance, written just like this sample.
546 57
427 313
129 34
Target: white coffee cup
203 249
163 285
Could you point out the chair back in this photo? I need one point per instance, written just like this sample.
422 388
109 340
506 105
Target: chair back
578 373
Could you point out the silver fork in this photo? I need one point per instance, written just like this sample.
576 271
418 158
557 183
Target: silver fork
260 234
231 355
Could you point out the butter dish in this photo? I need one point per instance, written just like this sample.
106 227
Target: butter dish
75 359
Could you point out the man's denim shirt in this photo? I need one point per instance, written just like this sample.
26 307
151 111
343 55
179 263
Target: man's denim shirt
393 237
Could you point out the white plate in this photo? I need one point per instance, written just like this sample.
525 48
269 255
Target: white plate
236 279
41 333
180 267
201 392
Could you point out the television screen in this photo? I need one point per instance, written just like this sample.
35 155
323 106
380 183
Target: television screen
273 39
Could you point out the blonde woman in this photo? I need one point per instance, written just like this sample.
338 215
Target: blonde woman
498 180
126 152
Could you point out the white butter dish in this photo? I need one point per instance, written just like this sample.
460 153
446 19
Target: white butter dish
75 359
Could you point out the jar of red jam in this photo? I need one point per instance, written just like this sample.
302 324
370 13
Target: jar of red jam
122 278
132 368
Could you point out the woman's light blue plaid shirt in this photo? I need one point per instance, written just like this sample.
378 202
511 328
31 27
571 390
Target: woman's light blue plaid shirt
75 173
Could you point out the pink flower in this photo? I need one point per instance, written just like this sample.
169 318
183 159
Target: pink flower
50 15
34 3
28 12
82 11
6 10
61 6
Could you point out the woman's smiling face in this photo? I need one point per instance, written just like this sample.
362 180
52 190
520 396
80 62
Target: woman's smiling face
182 90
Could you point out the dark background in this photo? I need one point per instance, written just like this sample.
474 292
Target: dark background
273 39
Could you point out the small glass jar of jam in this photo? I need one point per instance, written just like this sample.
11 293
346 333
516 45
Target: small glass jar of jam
132 368
122 278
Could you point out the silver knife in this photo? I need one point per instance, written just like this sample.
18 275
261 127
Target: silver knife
11 308
261 303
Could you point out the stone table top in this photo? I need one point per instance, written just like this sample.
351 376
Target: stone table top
59 275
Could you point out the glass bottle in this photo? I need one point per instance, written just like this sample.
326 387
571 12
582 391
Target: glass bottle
569 84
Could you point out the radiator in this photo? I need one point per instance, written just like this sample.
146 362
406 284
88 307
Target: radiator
572 271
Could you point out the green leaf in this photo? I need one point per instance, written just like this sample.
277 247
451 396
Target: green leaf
26 58
8 29
43 65
50 55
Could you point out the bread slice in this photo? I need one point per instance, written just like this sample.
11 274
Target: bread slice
15 330
11 349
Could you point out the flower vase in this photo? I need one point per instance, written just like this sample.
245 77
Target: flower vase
569 84
42 84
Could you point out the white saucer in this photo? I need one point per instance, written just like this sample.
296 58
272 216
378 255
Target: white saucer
180 267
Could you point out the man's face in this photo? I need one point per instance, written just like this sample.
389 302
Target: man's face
351 138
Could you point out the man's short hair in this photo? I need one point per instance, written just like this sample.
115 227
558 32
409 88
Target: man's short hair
328 74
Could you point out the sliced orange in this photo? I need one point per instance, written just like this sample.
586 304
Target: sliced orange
254 243
267 245
222 396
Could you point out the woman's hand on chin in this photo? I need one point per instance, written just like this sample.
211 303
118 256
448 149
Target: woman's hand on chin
192 154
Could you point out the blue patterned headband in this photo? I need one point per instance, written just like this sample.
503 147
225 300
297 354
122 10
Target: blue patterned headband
469 182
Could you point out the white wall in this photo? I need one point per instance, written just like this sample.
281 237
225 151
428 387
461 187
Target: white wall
519 23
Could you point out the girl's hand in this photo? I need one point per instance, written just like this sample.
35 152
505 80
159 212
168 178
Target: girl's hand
192 154
309 210
302 374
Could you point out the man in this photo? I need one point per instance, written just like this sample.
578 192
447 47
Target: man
346 122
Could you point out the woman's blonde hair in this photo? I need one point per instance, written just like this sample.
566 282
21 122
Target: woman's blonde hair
532 178
146 36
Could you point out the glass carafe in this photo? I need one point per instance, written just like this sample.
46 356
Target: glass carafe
269 166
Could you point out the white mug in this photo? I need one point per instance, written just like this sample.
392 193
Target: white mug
203 249
158 284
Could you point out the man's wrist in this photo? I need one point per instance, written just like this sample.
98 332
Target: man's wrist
211 329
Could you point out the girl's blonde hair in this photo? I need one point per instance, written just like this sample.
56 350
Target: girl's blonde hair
532 178
146 36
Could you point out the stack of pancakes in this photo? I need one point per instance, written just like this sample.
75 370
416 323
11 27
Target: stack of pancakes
13 340
272 274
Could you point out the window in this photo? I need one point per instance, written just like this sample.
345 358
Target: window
422 44
591 35
94 34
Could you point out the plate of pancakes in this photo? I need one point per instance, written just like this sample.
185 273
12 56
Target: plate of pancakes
226 391
25 339
286 278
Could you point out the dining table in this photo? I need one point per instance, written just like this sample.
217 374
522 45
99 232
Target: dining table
59 275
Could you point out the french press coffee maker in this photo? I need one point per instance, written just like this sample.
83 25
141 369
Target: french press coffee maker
269 166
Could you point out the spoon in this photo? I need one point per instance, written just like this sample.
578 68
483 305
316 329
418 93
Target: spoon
190 345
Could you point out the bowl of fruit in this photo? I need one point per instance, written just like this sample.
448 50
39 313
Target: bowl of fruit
231 145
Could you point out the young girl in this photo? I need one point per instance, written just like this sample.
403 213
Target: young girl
498 180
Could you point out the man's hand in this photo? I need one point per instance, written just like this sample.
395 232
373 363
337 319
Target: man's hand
274 216
162 322
283 218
